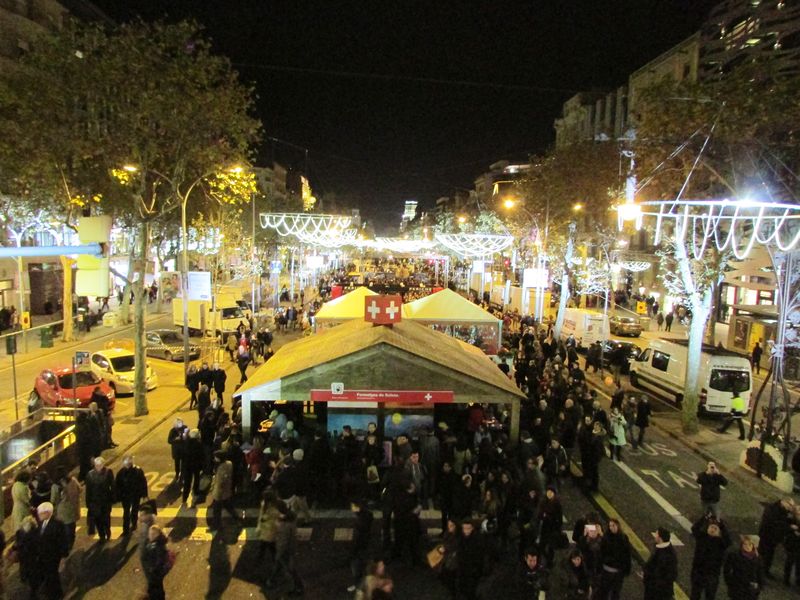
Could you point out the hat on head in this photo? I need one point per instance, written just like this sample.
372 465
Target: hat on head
663 533
297 455
44 507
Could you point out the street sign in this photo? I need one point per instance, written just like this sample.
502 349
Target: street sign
641 308
25 320
82 362
390 396
383 310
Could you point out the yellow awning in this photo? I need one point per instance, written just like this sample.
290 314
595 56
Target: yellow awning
446 305
349 306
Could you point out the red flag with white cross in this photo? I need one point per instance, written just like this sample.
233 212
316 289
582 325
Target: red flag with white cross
383 310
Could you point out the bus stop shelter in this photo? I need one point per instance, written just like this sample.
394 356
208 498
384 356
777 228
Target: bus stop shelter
364 365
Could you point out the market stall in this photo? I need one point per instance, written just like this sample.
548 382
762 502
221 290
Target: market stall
342 309
450 313
397 376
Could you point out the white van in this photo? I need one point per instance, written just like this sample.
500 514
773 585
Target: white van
587 326
661 368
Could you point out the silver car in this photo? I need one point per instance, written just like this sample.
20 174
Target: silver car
625 326
168 344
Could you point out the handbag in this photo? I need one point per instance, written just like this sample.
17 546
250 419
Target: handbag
372 474
435 557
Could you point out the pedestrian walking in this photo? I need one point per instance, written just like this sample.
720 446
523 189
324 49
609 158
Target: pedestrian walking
99 499
755 358
661 569
221 493
711 481
130 487
203 402
643 412
176 438
616 434
155 562
471 561
360 544
660 320
65 495
744 574
242 360
26 547
556 463
285 551
551 521
738 411
774 523
192 465
668 321
193 385
218 378
615 562
791 543
53 546
21 498
712 540
231 344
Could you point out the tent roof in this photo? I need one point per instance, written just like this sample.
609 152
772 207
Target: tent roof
349 306
356 336
446 305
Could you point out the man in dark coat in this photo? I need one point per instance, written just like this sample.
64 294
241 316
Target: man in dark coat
710 482
359 547
203 402
471 561
643 412
53 546
176 438
193 461
218 378
661 569
711 541
206 376
131 487
774 523
99 498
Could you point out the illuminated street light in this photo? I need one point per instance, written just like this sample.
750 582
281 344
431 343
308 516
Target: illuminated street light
509 203
130 168
462 219
577 207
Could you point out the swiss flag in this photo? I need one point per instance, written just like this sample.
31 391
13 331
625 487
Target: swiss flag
383 310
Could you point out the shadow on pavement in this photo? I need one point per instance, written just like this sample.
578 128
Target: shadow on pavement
219 574
98 565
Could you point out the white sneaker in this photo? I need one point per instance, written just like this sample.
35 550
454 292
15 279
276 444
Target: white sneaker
351 589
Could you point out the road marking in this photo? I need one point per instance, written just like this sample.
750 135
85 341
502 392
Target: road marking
658 498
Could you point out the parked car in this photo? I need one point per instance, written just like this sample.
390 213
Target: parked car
57 387
168 344
631 353
625 326
117 366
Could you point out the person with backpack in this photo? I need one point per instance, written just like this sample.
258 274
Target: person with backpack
157 561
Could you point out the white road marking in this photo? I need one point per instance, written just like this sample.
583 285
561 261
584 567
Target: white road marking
658 498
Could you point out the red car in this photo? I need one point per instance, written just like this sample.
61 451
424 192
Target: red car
53 387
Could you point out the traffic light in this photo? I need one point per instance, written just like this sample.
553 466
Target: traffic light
93 271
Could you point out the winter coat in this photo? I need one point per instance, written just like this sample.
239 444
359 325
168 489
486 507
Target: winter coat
268 523
362 533
710 484
131 484
222 488
66 498
154 558
709 551
219 376
99 490
774 521
551 518
744 576
21 495
615 552
616 435
194 456
555 462
643 411
175 438
660 573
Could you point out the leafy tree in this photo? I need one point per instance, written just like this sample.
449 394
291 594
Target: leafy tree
145 116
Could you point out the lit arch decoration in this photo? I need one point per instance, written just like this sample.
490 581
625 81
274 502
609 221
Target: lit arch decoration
474 245
402 245
332 231
635 266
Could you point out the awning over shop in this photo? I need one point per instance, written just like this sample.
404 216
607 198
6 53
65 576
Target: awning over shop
344 308
405 357
447 306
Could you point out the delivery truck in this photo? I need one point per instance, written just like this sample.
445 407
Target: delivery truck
221 315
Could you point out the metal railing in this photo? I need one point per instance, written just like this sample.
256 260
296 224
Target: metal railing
42 453
46 413
28 339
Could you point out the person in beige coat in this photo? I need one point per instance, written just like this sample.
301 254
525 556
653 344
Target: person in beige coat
65 495
272 509
222 493
21 496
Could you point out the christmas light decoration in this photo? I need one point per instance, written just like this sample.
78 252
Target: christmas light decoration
314 229
635 266
474 245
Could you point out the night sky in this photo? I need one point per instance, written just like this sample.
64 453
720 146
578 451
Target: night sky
379 140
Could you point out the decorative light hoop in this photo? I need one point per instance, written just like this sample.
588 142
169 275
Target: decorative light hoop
636 266
402 245
474 245
328 239
304 223
734 225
